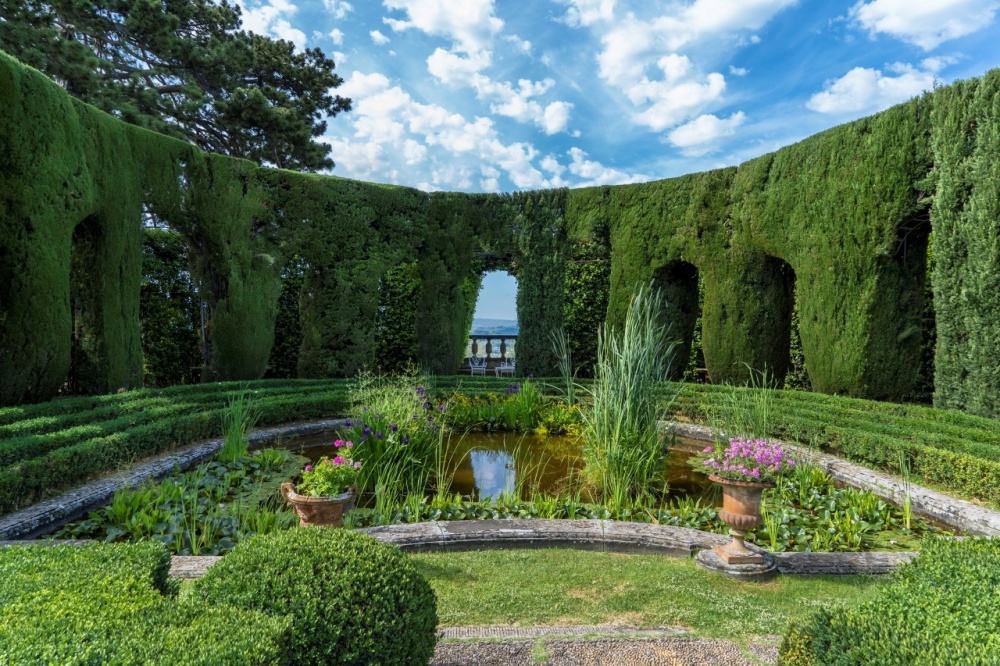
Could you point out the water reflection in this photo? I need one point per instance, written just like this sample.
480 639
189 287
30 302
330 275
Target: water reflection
488 464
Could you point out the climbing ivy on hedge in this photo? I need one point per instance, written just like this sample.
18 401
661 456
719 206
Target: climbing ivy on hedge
838 224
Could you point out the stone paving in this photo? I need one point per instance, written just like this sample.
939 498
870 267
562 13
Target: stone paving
605 651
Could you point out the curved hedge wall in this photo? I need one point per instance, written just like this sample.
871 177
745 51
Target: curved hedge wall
837 225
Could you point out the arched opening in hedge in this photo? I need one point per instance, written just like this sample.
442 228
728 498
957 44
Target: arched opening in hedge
677 283
494 326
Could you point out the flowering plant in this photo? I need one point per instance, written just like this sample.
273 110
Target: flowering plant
746 460
330 476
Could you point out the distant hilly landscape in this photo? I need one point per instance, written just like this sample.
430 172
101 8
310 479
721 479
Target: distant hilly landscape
494 327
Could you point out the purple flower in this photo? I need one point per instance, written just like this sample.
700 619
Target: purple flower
364 409
357 465
427 405
366 431
379 435
406 440
708 449
308 468
393 427
441 407
347 423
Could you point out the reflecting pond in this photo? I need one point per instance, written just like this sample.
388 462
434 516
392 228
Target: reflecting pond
489 464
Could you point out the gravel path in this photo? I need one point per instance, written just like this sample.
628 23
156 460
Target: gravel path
625 648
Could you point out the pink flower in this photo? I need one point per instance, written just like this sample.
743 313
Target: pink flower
339 443
350 445
308 468
708 449
339 460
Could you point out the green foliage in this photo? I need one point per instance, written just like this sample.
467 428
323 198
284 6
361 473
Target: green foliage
168 308
238 420
111 604
186 69
64 443
622 455
396 323
329 478
957 451
519 408
586 302
284 361
206 511
940 609
966 220
354 599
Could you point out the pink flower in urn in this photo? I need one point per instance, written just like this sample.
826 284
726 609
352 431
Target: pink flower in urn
338 443
339 460
349 445
708 449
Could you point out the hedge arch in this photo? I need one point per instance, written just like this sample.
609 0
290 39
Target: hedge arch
835 228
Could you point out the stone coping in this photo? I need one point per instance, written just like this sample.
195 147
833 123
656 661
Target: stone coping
601 535
50 514
960 514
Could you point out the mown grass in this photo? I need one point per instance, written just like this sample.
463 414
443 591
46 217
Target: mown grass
570 587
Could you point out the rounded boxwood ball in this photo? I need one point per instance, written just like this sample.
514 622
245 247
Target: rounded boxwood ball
351 599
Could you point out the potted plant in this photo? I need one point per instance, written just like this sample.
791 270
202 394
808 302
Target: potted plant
744 468
327 490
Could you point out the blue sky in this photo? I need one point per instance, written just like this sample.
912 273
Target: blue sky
477 95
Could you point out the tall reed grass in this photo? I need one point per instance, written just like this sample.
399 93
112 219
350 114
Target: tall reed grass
623 457
747 411
238 421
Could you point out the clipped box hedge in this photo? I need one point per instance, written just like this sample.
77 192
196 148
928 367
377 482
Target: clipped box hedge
112 604
941 609
40 466
353 599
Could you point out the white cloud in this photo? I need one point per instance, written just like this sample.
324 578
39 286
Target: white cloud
701 135
866 90
454 68
522 45
378 38
738 71
337 36
926 23
586 12
271 19
594 173
338 8
556 117
339 57
470 24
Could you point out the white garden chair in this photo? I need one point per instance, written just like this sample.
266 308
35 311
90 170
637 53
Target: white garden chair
477 366
506 367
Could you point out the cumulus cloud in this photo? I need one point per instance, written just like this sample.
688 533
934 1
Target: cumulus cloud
926 23
338 8
470 24
701 136
271 19
738 71
594 173
378 37
337 36
585 12
867 90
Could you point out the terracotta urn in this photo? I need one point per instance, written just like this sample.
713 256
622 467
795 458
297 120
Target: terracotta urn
741 511
316 511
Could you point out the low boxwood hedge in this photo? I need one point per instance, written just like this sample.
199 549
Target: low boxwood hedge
941 609
112 604
352 599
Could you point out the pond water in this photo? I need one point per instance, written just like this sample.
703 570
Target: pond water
495 463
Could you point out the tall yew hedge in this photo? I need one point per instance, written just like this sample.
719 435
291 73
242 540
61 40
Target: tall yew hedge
319 276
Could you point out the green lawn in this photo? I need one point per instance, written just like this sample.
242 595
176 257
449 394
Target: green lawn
567 587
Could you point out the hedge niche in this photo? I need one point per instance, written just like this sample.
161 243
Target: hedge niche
832 231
